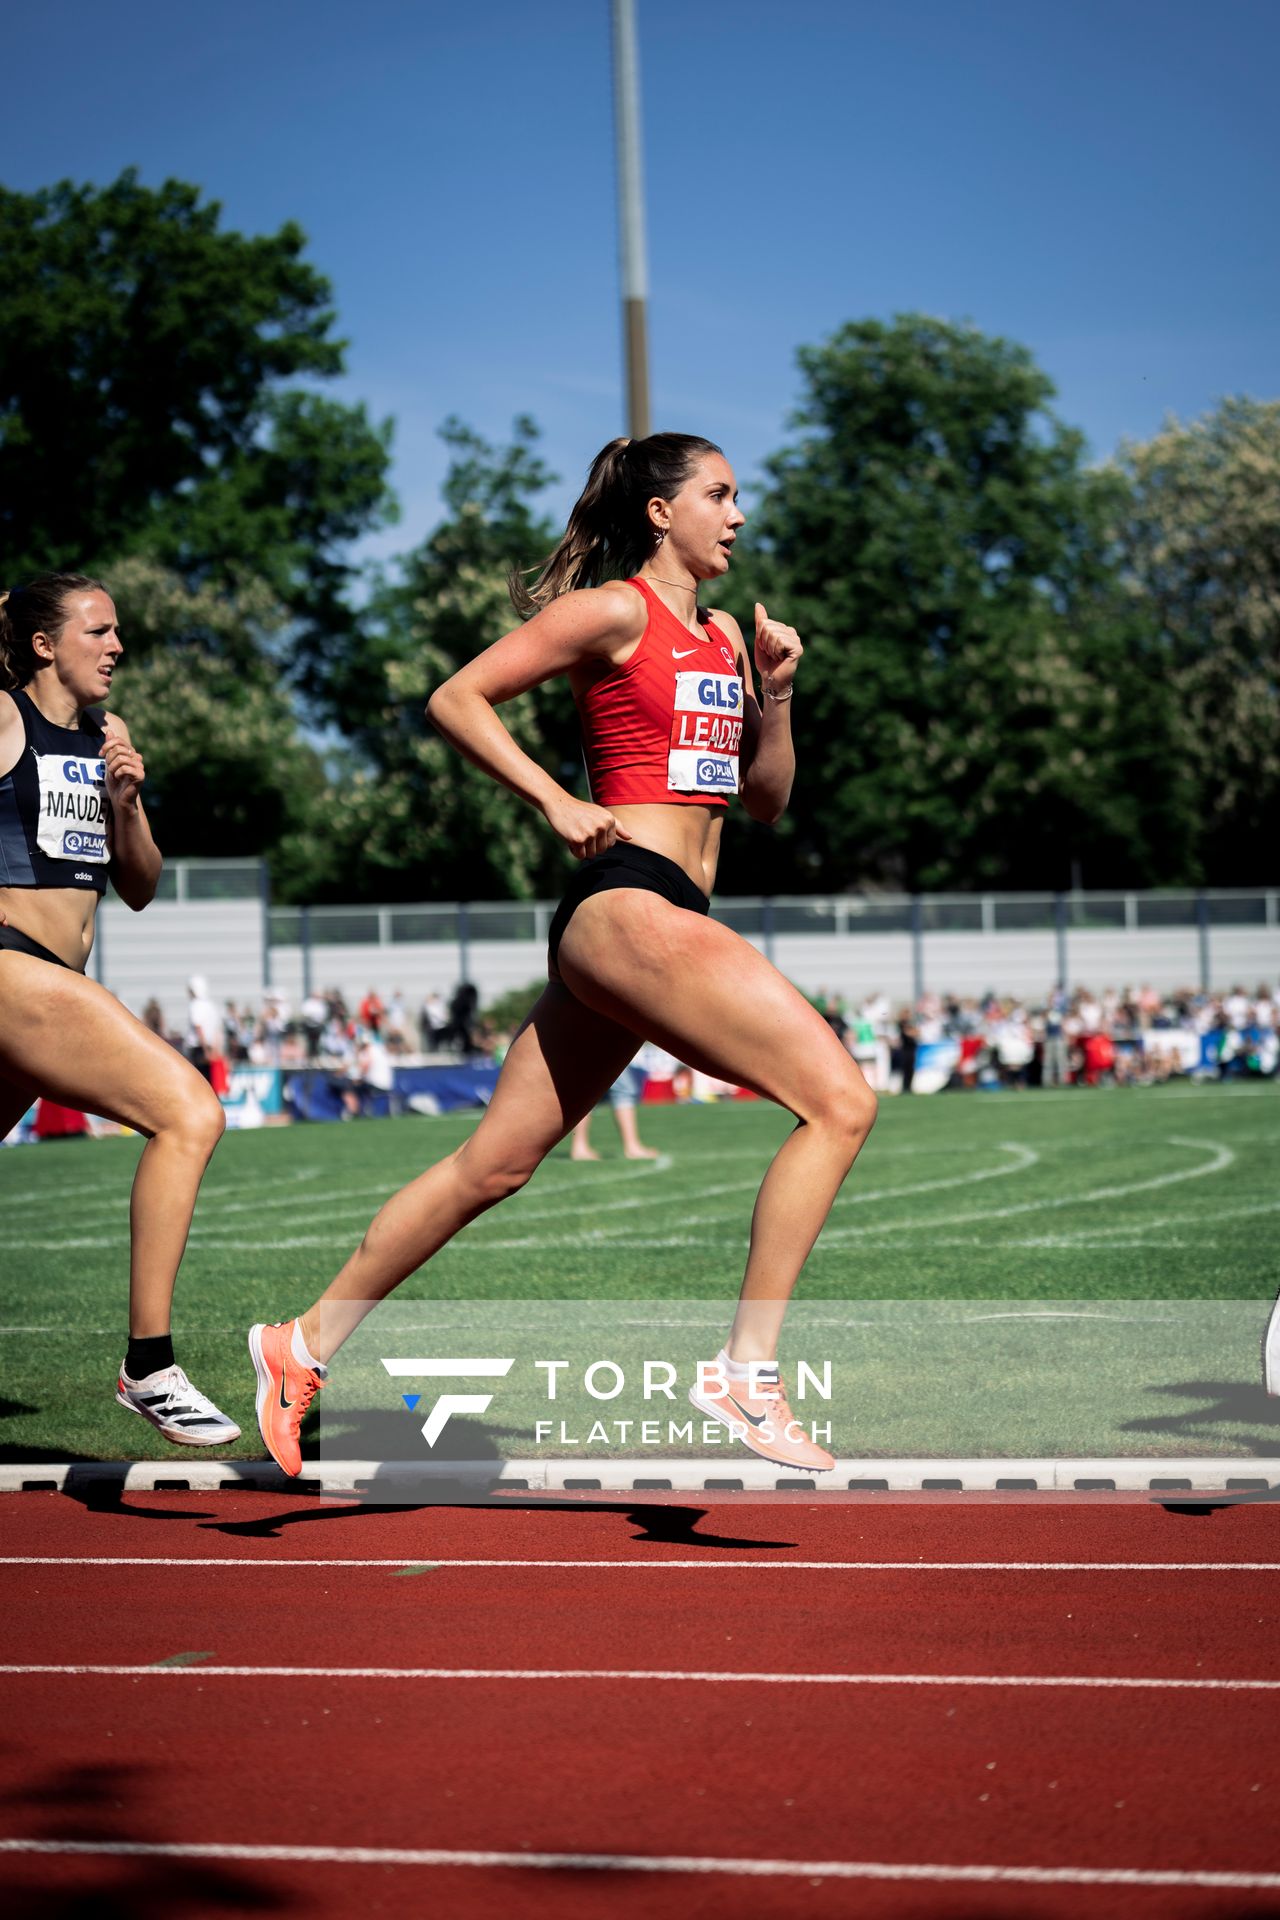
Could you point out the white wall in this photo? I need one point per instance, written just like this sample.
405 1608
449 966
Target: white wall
153 952
855 965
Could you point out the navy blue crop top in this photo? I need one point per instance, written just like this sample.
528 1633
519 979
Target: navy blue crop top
53 805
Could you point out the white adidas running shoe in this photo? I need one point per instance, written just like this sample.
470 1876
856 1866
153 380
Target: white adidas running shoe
1271 1351
182 1414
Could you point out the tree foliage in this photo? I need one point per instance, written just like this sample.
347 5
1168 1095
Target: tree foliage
1202 537
144 353
980 701
1017 668
410 819
227 773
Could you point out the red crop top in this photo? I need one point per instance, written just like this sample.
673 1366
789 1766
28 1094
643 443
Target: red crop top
666 725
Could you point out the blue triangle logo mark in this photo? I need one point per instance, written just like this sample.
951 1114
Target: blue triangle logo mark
411 1400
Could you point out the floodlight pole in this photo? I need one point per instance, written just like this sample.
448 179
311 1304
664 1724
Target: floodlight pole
626 112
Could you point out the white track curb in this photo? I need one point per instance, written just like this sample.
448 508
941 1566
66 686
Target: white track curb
379 1478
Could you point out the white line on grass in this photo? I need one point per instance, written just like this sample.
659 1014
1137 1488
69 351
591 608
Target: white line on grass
209 1195
1027 1157
343 1204
211 1230
1118 1234
748 1867
660 1566
831 1239
1221 1158
1097 1682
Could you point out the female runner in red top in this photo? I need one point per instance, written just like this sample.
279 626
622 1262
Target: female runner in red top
671 726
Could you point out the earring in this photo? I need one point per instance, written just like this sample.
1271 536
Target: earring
662 534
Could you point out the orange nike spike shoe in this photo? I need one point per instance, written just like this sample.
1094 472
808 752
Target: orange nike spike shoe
763 1420
286 1389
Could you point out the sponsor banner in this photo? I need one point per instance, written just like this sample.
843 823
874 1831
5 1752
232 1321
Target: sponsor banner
73 808
936 1061
315 1093
254 1093
448 1394
1181 1043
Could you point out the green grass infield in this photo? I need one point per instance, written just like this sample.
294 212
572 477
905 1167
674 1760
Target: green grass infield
1064 1222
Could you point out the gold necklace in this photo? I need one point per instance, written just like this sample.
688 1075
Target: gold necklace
679 584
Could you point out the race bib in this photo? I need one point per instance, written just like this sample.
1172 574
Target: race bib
706 732
73 808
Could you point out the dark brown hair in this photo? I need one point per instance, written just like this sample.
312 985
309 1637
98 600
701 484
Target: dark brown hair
610 534
38 607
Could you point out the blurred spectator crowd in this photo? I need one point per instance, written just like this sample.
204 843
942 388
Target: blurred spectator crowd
1077 1039
324 1030
1134 1037
939 1043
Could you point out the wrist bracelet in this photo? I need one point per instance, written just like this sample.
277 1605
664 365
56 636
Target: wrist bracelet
779 699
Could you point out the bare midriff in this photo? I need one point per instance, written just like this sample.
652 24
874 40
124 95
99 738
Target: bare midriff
689 835
60 918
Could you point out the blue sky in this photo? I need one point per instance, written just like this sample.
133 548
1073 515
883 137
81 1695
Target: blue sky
1095 180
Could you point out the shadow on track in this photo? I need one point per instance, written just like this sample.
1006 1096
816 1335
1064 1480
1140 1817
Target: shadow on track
110 1805
663 1523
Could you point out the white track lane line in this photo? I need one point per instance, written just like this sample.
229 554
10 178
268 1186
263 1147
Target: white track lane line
1117 1683
655 1565
659 1566
651 1863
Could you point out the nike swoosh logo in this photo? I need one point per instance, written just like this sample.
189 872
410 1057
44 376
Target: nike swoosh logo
286 1406
677 655
757 1420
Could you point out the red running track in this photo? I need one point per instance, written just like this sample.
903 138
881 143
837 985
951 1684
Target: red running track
959 1775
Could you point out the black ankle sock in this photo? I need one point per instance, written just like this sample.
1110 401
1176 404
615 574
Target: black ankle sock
148 1356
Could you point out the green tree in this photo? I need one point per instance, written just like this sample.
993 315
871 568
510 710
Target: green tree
144 356
1202 536
408 818
227 772
981 701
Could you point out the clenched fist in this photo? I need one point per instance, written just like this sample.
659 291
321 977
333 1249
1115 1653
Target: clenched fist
585 828
124 769
778 651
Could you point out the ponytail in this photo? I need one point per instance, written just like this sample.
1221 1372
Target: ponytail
609 534
38 607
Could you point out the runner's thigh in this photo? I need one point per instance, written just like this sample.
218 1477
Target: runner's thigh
68 1038
708 997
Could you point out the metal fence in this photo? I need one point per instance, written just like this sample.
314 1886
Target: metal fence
216 918
783 927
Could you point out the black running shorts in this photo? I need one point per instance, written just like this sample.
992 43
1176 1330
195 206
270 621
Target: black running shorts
12 941
623 866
